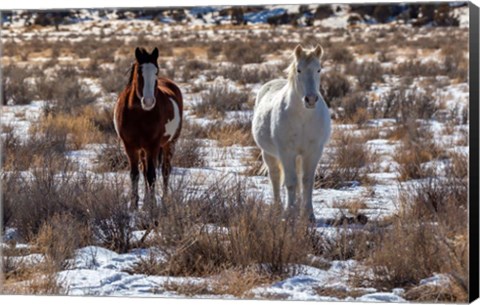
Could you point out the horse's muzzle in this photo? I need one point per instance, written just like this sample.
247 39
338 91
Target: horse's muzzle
148 103
310 101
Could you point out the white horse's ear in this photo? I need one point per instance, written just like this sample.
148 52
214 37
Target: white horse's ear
318 51
298 51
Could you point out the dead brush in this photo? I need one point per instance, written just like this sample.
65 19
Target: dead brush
334 86
366 73
70 97
105 208
250 75
340 54
16 86
229 134
110 79
243 52
255 162
21 154
78 130
417 147
219 99
222 228
428 236
111 157
188 154
353 109
238 282
348 163
58 238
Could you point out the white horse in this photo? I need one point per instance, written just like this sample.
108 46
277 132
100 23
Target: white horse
291 125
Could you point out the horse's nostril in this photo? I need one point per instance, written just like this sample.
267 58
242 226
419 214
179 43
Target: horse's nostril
316 98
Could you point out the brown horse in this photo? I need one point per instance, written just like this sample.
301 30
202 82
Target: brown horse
148 119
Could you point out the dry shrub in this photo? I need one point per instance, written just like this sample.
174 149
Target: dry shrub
58 238
258 75
250 75
54 197
68 97
428 236
405 105
255 163
189 288
108 214
33 201
16 86
114 80
238 282
334 86
417 147
244 52
22 154
77 130
353 108
229 134
416 68
450 292
188 154
214 49
347 165
101 118
366 73
340 54
205 232
219 99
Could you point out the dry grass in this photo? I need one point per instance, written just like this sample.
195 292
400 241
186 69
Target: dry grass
238 133
219 99
334 86
427 236
77 130
241 52
417 147
366 73
16 86
58 238
354 109
222 228
348 164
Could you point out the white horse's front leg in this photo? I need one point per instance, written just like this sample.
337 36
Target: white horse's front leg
274 172
309 166
288 164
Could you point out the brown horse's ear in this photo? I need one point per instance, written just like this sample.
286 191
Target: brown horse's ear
298 51
318 51
138 54
155 54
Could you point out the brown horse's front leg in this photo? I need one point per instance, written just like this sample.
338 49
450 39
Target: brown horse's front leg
167 165
134 175
149 161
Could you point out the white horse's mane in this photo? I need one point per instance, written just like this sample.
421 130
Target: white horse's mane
291 70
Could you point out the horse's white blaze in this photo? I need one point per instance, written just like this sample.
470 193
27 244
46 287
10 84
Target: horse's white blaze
292 129
149 73
172 125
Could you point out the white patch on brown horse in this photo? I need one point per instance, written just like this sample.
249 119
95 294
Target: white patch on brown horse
172 125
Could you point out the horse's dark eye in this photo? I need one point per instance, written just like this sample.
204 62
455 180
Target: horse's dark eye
319 70
298 70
